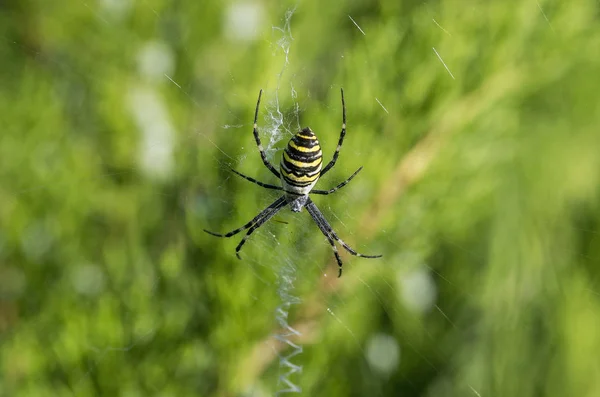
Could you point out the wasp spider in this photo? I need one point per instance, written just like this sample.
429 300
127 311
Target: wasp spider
299 171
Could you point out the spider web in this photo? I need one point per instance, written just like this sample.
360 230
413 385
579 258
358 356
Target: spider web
382 351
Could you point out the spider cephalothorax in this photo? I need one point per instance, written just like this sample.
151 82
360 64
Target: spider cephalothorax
299 171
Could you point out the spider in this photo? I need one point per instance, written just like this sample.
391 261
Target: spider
299 171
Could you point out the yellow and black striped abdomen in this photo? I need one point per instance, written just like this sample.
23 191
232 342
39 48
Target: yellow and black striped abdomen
301 163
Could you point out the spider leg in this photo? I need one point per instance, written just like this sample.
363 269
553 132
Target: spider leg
263 156
341 185
271 213
262 184
326 228
342 135
335 250
326 233
278 203
350 250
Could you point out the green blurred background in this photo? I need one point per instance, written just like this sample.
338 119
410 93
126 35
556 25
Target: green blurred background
119 119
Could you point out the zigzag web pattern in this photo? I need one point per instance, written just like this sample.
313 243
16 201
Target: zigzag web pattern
286 367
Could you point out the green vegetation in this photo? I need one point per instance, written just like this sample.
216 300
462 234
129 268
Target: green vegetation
481 188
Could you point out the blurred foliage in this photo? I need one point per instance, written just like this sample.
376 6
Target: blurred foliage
483 178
